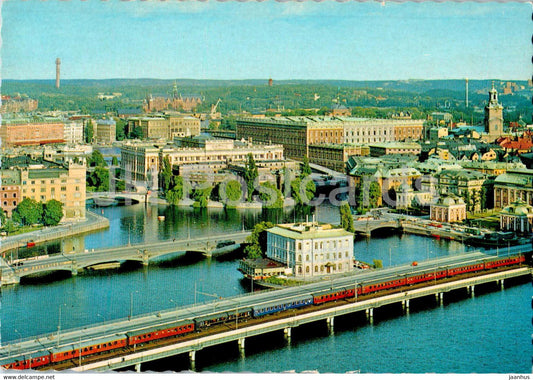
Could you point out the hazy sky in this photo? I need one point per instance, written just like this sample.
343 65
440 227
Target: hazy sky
280 40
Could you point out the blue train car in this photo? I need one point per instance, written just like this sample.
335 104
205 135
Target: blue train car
276 306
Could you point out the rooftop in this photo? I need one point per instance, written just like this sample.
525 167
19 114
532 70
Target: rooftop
308 230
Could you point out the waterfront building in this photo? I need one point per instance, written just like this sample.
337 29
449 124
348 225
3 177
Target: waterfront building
407 197
311 249
42 181
513 185
449 208
140 162
468 184
517 217
105 131
262 268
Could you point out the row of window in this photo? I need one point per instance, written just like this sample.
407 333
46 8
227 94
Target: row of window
334 268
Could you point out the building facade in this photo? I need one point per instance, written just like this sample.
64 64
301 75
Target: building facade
21 133
513 185
311 249
10 192
449 208
517 217
105 132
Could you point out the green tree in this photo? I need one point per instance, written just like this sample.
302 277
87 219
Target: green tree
114 161
178 192
28 212
483 198
257 241
270 195
89 132
233 191
378 263
250 174
465 194
303 190
165 176
346 217
96 159
306 169
120 129
201 196
374 194
3 218
98 179
52 212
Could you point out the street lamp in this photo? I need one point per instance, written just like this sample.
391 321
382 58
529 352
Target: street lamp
59 323
20 335
131 304
174 302
103 318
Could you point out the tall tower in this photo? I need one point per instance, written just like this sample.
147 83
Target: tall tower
58 64
493 115
466 92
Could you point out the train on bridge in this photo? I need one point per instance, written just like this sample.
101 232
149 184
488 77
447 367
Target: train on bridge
136 338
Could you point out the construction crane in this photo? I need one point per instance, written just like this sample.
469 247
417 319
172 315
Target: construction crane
214 110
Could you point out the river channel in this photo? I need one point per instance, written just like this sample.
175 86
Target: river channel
489 333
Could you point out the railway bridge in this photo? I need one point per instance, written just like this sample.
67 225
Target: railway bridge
238 330
143 253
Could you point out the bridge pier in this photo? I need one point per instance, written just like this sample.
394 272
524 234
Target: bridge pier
470 290
192 359
502 286
287 331
405 306
240 342
138 367
439 297
331 324
370 315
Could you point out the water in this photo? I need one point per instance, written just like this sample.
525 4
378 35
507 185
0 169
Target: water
488 333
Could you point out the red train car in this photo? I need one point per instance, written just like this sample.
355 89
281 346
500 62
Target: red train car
88 348
371 288
332 295
505 261
159 332
34 360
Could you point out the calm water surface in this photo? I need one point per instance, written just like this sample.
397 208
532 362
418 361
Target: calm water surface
487 333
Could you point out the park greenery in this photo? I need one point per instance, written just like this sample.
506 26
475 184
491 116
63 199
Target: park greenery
257 241
30 212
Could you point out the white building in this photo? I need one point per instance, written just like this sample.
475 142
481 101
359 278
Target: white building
73 130
311 249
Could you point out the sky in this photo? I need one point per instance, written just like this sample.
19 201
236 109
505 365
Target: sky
192 39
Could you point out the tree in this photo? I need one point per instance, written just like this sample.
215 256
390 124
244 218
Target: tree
178 192
257 241
201 196
165 175
233 191
52 212
98 179
96 159
306 169
250 174
374 194
271 196
89 132
120 129
28 212
378 263
465 194
114 161
346 217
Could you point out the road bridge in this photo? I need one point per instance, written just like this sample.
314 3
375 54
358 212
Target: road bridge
238 330
143 253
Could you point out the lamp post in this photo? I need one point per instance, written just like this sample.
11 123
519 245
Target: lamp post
20 335
174 302
59 323
103 318
131 304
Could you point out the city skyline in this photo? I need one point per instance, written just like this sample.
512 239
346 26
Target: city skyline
250 40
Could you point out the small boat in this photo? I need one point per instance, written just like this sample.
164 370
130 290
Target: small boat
31 243
161 218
